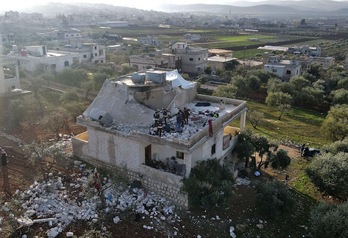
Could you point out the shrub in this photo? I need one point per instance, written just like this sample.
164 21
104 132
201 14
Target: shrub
280 159
329 220
273 199
209 184
330 173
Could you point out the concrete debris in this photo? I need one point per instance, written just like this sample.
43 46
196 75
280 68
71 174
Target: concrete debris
116 219
232 232
260 226
69 234
242 181
59 201
241 227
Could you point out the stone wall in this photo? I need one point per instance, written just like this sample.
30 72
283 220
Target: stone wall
165 184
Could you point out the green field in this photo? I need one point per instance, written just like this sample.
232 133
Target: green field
298 126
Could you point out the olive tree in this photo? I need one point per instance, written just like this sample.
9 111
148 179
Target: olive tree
329 172
329 220
335 123
255 117
279 100
273 199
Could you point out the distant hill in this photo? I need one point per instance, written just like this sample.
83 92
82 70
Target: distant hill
271 8
267 8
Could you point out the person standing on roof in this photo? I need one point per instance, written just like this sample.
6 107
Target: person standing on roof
165 115
159 128
186 114
156 117
179 118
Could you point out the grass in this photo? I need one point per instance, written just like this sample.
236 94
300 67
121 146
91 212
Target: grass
300 125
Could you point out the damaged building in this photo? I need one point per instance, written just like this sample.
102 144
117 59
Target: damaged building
122 132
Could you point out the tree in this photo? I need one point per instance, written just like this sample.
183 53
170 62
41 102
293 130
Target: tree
263 147
228 91
55 120
69 96
99 79
208 70
337 146
244 148
329 172
335 123
273 199
340 96
255 117
253 83
280 159
329 220
14 114
231 65
281 101
209 184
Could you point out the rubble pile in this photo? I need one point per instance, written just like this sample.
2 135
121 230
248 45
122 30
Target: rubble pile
59 201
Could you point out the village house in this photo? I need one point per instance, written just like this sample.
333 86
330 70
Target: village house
219 62
122 133
33 57
9 74
154 61
284 69
193 59
88 52
324 62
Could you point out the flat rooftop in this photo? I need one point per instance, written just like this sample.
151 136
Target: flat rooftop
131 107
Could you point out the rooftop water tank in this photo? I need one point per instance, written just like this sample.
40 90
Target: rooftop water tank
138 78
158 77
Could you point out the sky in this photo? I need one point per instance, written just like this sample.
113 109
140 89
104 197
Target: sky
18 5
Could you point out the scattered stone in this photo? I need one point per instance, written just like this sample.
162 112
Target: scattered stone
260 226
232 232
116 219
241 227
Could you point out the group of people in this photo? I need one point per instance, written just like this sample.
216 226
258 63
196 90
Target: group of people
161 118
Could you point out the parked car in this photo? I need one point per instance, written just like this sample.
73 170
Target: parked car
309 152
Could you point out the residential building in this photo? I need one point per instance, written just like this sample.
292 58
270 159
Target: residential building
314 51
193 59
192 37
154 61
9 75
34 57
284 69
122 133
219 62
71 34
149 40
324 62
88 52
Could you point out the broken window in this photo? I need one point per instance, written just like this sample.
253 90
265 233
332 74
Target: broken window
191 59
213 149
180 155
288 72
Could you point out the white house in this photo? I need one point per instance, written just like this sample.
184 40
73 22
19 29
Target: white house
121 133
88 52
284 69
37 56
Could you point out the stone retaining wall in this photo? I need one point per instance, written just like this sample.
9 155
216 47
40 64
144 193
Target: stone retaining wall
169 186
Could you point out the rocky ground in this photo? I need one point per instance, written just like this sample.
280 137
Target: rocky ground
66 203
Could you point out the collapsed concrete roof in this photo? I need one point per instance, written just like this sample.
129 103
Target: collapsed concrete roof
127 106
